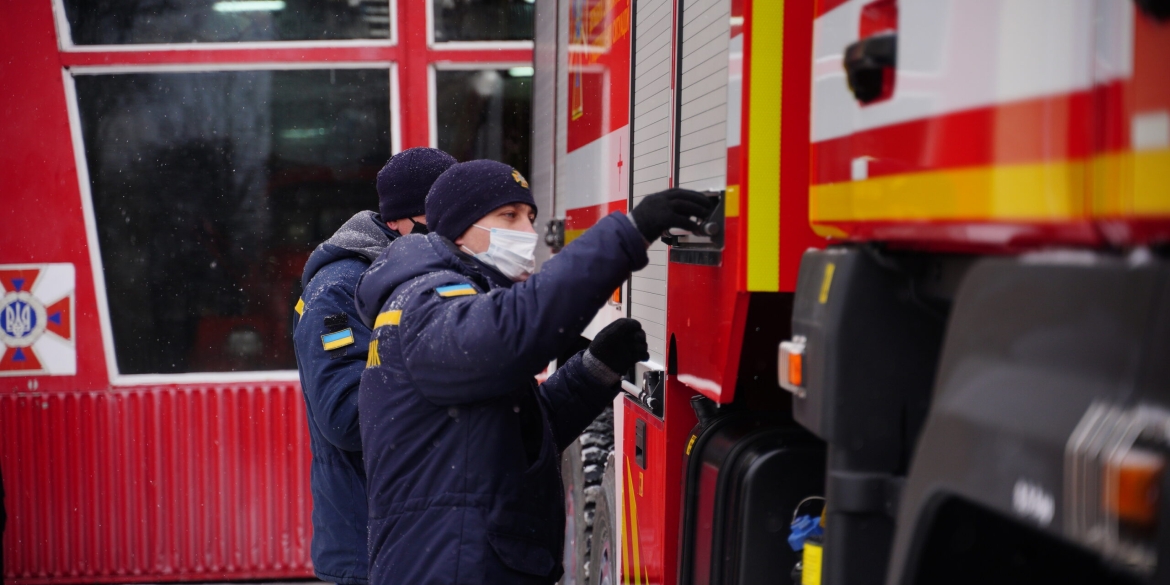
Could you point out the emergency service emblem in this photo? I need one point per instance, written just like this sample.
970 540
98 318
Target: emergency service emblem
36 320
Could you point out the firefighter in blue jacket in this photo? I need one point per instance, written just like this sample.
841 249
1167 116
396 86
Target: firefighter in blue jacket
462 447
330 342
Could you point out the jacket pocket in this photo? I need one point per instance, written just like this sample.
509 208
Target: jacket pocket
521 554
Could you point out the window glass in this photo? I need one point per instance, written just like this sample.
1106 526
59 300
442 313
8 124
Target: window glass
483 20
121 22
210 190
485 114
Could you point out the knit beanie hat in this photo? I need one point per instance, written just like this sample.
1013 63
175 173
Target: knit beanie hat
468 191
404 181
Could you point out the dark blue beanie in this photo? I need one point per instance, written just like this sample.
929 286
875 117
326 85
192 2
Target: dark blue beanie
405 180
468 191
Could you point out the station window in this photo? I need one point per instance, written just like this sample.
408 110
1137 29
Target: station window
483 20
208 21
209 191
485 113
224 140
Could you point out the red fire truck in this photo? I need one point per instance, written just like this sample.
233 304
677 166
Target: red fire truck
931 313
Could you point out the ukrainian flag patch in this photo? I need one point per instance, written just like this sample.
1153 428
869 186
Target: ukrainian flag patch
337 339
456 290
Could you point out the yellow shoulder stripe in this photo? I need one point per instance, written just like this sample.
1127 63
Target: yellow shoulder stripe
300 308
388 318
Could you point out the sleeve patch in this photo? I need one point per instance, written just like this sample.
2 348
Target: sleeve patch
300 308
456 290
372 359
337 339
388 318
336 322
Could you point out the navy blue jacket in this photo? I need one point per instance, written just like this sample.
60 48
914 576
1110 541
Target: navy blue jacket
329 381
462 447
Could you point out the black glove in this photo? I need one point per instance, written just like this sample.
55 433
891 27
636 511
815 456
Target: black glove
672 208
620 345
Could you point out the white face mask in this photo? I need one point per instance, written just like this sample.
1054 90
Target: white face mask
511 252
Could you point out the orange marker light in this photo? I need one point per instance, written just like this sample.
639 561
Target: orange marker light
1131 490
796 369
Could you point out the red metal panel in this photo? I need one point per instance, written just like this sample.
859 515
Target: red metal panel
156 484
412 74
40 208
168 483
652 495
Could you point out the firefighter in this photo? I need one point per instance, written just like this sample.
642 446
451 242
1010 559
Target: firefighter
462 447
330 342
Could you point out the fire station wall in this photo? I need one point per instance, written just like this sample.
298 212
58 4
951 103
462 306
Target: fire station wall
156 484
121 485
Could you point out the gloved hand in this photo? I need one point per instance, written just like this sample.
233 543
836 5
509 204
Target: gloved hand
672 208
620 345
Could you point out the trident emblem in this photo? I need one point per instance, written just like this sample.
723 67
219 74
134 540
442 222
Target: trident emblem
18 319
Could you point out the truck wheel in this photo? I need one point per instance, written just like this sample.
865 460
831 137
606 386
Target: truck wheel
603 568
582 468
572 476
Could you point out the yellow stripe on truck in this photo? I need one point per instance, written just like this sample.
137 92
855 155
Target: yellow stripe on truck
1112 185
763 187
1045 191
634 544
1132 184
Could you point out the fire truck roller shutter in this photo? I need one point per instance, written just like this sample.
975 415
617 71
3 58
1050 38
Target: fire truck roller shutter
653 121
702 104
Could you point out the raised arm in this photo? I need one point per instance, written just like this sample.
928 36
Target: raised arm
478 346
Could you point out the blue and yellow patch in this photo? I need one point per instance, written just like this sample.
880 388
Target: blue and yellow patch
456 290
337 339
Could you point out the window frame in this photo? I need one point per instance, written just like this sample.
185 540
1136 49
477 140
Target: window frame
411 60
65 42
432 84
69 75
468 45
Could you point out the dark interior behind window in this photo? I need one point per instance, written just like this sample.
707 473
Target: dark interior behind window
483 20
119 22
210 190
485 114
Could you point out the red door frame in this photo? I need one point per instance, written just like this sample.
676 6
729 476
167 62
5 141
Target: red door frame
413 54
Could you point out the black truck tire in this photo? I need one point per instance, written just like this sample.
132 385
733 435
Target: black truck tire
572 476
582 468
603 568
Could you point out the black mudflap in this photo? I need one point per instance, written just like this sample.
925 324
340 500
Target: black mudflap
745 476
